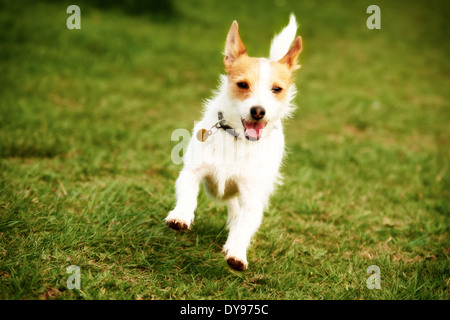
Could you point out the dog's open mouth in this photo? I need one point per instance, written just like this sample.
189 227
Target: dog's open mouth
253 129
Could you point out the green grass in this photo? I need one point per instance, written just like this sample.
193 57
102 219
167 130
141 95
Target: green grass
86 176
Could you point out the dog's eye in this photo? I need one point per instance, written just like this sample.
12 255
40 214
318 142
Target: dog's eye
242 85
276 89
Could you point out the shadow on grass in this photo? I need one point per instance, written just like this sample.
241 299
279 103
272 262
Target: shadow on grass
194 252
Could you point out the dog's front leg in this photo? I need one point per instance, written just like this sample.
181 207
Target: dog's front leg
187 186
242 228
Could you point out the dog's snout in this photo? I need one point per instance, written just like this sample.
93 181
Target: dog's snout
257 112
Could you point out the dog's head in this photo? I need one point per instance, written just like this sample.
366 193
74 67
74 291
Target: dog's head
261 90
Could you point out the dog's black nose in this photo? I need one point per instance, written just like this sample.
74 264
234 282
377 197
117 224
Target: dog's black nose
257 112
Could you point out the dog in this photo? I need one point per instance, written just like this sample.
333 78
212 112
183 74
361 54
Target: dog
238 146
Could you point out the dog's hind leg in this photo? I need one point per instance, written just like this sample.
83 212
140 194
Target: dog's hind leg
187 187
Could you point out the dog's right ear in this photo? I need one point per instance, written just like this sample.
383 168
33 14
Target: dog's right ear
233 46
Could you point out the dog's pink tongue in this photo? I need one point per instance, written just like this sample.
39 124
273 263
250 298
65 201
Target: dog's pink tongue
253 129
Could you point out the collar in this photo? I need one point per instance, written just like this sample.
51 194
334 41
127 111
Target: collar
222 125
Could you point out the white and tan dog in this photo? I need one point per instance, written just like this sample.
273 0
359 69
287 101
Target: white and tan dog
239 144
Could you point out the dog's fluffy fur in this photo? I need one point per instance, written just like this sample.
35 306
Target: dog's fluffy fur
242 171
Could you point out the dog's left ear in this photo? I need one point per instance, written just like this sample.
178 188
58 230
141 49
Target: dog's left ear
290 58
233 46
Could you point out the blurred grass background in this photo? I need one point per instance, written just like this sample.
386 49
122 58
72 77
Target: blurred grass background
86 176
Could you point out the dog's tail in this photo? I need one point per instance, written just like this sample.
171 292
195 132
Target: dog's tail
282 41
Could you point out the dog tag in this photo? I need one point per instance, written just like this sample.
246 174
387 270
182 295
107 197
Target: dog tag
203 134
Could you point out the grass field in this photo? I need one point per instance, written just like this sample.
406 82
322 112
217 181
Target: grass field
86 177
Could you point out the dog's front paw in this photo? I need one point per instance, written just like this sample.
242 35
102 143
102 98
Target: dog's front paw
236 258
176 224
178 221
236 264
